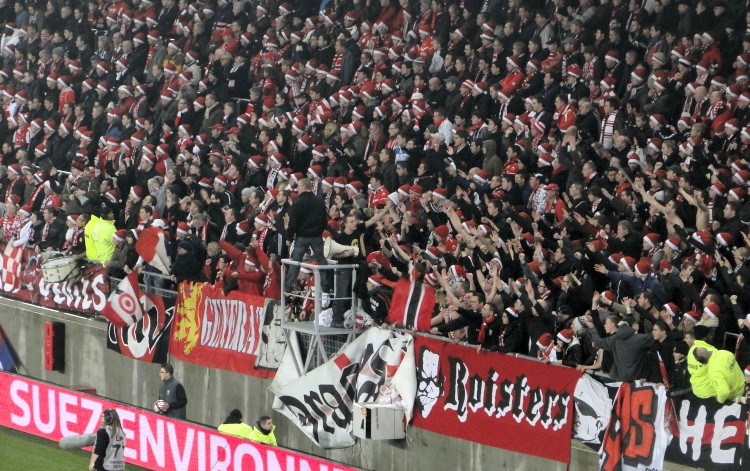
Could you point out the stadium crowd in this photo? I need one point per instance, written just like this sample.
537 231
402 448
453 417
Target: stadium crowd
524 157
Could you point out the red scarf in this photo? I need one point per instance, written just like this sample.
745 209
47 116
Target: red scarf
9 191
482 330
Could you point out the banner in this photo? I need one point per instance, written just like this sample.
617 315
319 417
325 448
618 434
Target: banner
85 296
377 367
593 405
494 399
148 338
636 436
711 436
222 331
153 441
273 338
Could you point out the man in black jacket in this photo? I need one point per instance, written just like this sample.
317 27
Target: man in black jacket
52 232
307 221
482 320
627 241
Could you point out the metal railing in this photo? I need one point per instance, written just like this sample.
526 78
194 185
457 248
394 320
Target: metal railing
319 342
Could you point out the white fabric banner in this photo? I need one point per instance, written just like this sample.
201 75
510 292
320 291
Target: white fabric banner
636 438
593 405
378 367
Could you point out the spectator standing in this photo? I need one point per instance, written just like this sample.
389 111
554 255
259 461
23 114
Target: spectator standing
186 265
172 398
679 379
626 345
307 221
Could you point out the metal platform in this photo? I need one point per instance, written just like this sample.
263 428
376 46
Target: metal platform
317 343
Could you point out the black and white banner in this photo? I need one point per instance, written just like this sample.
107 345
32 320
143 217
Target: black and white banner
711 436
378 367
708 435
593 406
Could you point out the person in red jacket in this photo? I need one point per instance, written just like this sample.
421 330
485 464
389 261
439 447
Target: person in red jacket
67 95
389 14
565 113
555 205
272 270
248 277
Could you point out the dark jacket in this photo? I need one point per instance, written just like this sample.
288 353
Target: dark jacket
173 392
308 217
627 348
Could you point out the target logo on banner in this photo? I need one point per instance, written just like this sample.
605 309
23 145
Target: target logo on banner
123 306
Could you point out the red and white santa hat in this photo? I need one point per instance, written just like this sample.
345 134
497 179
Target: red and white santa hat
544 341
262 219
712 310
566 335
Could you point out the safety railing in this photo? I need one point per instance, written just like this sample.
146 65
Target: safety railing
319 342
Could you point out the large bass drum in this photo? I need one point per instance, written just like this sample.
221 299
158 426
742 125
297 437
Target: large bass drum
61 269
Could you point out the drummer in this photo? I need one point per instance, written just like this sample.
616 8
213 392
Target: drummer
75 245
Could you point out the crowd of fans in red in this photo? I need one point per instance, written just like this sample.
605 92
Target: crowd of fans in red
523 156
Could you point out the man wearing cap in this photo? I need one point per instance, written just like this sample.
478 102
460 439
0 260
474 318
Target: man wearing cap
81 191
642 279
351 236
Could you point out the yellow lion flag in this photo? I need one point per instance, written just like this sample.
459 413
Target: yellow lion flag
188 331
98 234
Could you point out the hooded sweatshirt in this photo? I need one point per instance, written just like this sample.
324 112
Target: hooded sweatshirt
627 349
492 163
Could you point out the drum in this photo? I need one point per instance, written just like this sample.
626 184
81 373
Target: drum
61 269
47 256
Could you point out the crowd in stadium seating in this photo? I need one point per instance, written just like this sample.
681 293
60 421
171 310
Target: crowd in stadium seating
525 156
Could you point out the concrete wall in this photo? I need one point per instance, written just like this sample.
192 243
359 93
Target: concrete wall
212 393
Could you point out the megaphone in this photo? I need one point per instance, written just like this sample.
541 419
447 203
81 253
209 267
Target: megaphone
334 250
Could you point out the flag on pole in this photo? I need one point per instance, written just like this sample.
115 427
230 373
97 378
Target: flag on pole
412 304
124 304
152 247
670 413
11 276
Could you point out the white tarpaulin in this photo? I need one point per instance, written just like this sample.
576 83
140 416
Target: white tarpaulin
378 367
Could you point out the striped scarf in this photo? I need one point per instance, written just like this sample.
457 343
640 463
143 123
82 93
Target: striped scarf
608 130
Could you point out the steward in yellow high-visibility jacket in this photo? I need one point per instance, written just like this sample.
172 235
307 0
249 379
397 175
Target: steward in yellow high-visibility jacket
263 431
699 371
233 425
98 235
724 377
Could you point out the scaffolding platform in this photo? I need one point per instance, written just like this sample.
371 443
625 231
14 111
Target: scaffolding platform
317 343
